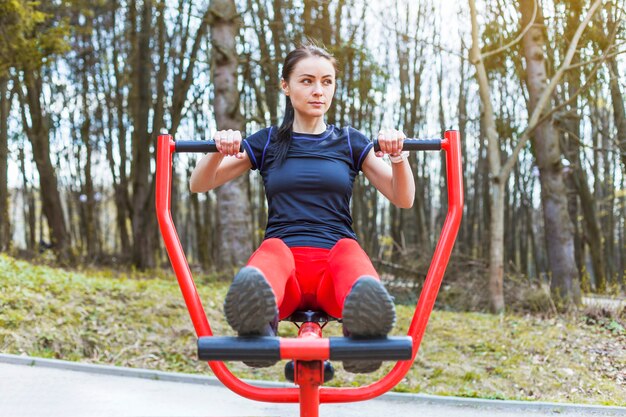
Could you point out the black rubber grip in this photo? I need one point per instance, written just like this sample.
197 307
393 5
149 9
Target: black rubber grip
224 348
198 146
387 348
416 145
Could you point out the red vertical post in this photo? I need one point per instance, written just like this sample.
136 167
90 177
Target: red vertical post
165 149
309 375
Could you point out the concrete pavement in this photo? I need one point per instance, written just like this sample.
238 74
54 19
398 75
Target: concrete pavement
32 387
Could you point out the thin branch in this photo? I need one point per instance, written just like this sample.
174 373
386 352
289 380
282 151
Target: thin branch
591 61
516 40
579 141
385 23
547 93
598 61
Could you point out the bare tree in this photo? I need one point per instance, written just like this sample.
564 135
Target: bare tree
496 185
38 132
5 105
233 206
112 82
140 103
559 235
499 171
617 97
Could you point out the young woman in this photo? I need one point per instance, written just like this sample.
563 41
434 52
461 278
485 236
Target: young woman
310 258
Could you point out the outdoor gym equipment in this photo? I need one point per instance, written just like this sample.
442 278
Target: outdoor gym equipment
310 351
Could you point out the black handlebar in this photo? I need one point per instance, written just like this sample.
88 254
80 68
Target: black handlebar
198 146
209 145
416 145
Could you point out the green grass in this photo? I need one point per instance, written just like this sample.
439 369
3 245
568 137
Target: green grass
136 320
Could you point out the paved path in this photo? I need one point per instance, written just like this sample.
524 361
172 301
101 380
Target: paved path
58 388
610 303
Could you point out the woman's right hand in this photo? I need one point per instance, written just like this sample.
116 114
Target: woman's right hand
212 170
228 142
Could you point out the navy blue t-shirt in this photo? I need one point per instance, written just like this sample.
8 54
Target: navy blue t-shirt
308 195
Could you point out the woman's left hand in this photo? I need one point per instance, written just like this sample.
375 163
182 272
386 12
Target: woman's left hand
390 142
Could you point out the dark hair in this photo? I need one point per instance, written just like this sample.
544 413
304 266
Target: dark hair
283 136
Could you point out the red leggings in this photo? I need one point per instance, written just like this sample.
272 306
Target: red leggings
311 278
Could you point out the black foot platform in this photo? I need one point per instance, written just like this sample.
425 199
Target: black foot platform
223 348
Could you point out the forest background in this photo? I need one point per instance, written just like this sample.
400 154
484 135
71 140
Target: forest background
535 88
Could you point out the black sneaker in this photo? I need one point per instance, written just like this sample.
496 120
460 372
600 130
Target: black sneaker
250 308
368 312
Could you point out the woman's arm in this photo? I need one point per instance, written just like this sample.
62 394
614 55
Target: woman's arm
395 182
213 169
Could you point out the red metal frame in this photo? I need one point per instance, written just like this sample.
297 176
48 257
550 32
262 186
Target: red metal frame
310 395
309 375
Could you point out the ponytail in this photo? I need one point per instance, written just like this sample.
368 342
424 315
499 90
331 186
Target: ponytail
283 136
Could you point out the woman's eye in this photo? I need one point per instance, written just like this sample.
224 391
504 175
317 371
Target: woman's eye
306 81
328 82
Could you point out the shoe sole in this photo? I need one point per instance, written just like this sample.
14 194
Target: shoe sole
250 304
368 312
260 363
361 367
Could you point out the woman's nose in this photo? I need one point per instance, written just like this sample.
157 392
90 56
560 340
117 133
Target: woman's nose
317 88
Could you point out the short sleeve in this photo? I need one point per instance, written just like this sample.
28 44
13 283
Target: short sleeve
360 145
256 145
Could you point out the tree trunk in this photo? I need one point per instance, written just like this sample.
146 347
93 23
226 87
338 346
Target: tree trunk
233 207
308 18
269 61
462 108
496 184
38 135
565 284
140 103
272 85
617 98
621 278
619 113
28 204
610 166
5 225
592 228
117 103
576 178
184 77
88 205
413 224
202 232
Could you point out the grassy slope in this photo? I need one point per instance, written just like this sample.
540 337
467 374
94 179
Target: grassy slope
110 318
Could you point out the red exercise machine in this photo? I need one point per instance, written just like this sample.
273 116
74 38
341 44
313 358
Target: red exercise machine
310 351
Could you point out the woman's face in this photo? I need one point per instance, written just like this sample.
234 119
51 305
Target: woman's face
311 86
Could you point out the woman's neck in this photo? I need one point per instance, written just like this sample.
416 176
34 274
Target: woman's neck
312 126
